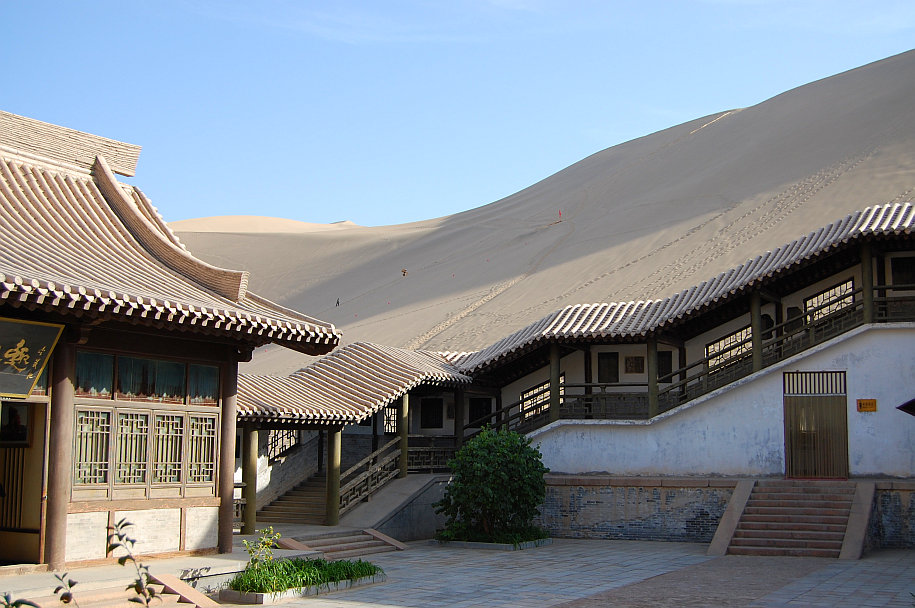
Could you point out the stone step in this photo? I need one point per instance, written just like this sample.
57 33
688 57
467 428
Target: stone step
350 546
803 511
813 486
110 597
790 534
292 518
787 543
341 539
787 526
337 555
788 517
793 552
804 496
293 508
789 503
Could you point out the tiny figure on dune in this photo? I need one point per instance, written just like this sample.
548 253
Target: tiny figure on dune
338 301
404 271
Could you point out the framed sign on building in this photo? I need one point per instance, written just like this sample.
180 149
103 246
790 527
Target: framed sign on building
25 348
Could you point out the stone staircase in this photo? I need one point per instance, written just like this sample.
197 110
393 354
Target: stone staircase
116 597
346 544
794 517
303 504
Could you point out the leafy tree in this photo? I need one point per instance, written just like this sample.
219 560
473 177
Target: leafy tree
496 486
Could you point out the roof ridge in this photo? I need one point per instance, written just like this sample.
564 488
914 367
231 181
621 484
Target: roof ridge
232 284
64 145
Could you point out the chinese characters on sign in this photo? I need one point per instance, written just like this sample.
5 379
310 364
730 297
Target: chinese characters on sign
25 347
867 405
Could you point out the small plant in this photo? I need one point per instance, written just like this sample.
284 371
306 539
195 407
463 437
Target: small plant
261 551
119 539
277 576
496 487
7 601
64 590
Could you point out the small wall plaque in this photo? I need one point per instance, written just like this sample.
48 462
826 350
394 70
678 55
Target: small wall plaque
867 405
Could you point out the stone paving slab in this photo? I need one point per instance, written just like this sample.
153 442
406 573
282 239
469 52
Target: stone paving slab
591 573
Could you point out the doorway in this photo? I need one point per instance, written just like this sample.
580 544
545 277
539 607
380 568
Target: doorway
816 425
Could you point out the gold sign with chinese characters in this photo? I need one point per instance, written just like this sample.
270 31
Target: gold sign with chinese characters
25 347
867 405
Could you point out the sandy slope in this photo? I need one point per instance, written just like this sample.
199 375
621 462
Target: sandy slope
640 220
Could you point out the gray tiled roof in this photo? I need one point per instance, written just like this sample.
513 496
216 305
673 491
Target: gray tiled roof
343 387
82 244
628 319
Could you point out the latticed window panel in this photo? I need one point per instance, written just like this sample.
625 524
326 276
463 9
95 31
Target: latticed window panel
729 347
166 466
536 400
280 441
91 458
132 448
829 301
201 464
391 414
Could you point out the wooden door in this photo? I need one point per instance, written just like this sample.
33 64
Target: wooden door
816 425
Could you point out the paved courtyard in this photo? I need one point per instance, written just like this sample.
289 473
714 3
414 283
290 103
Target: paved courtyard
592 573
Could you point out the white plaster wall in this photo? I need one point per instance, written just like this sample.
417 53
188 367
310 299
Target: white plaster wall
155 530
739 430
201 528
87 536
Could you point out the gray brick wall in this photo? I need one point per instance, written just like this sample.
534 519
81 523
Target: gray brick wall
892 521
621 510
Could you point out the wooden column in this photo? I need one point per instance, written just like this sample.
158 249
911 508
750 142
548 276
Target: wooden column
756 330
459 417
226 487
403 428
651 366
589 373
60 454
334 450
554 382
867 281
249 447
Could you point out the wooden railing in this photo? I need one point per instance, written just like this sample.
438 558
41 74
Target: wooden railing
368 475
630 400
429 454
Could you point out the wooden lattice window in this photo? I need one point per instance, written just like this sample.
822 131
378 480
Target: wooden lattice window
536 399
830 300
169 429
281 441
729 347
201 462
132 448
91 458
391 414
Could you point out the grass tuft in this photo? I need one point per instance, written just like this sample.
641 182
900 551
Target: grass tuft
279 575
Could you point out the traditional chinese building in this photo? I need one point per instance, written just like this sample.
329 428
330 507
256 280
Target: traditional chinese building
134 414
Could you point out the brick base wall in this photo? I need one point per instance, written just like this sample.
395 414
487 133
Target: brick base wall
600 506
892 521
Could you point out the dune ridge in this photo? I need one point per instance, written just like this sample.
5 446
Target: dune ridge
640 220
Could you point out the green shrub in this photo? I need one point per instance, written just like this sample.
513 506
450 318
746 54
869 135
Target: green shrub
496 486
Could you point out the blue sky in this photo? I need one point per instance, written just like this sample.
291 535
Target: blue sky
385 112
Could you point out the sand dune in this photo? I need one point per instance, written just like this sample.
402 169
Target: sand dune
640 220
254 224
